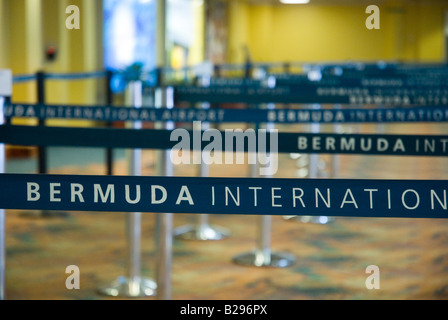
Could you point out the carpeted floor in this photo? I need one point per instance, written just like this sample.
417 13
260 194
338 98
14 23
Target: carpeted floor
411 254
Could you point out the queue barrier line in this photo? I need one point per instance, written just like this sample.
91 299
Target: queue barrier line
222 115
287 142
352 70
60 76
41 78
436 196
272 90
24 78
253 196
310 95
75 76
255 95
406 204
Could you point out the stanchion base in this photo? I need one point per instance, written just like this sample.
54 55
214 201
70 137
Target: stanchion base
309 219
201 232
123 287
44 214
258 259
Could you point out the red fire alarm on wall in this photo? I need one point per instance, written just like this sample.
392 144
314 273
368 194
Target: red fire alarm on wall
50 53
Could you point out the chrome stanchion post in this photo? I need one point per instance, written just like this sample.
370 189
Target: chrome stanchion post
336 158
263 256
5 91
164 221
41 97
133 285
312 174
314 157
42 152
202 229
109 102
2 211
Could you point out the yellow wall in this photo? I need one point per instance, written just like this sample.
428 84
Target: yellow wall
196 55
273 33
430 32
238 30
29 26
23 15
316 33
4 34
79 50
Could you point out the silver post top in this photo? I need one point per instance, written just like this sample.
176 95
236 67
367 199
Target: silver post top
5 83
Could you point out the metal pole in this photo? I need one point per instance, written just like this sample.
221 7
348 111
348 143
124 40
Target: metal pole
336 158
42 158
2 211
202 229
314 158
263 256
109 102
42 152
265 221
5 93
133 285
133 219
164 221
313 174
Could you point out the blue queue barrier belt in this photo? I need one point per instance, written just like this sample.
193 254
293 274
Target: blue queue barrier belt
308 94
61 76
217 115
256 95
238 140
272 196
75 76
24 78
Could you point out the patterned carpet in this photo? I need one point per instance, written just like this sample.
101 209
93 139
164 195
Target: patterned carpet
411 254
